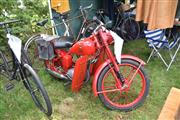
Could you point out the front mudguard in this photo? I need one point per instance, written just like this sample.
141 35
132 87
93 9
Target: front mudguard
104 64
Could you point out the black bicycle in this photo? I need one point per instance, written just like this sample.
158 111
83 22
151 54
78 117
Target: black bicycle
87 25
16 66
124 24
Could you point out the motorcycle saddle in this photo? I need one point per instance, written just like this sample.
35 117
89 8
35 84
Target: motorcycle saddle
63 42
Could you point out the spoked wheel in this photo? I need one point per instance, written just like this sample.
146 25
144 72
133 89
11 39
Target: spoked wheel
7 63
3 62
130 29
25 58
33 56
37 90
129 98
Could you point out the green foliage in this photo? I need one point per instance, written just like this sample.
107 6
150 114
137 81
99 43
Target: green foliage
30 12
18 105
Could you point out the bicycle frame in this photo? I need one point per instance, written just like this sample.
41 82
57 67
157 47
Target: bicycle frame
123 23
85 20
15 48
67 27
15 44
16 66
23 67
84 23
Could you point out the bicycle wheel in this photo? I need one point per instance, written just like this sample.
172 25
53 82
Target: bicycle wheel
130 29
37 91
89 29
7 63
33 56
128 98
3 62
25 58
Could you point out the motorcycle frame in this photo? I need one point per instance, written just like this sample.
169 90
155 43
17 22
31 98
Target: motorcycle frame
102 41
106 57
109 59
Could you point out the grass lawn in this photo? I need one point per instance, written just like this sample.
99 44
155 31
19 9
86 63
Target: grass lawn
18 105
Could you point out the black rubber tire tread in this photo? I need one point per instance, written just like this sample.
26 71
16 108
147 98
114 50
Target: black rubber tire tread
7 68
33 57
25 58
5 64
134 106
37 81
128 33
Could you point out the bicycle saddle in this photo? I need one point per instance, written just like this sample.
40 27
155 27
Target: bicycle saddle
42 23
63 42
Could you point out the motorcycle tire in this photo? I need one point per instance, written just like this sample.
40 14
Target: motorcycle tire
127 99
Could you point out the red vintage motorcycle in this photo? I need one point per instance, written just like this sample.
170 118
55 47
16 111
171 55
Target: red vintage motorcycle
120 83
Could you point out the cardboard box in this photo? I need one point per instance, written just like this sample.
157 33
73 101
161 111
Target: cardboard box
171 108
60 6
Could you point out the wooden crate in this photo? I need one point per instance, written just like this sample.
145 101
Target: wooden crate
171 108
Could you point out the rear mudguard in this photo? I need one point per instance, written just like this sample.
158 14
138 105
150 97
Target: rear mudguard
104 64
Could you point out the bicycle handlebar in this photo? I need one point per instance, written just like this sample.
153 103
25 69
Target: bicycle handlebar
8 22
42 23
87 7
101 24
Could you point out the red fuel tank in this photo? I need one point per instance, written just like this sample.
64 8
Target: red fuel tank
84 47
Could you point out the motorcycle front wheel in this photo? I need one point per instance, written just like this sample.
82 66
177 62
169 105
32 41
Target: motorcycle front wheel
128 98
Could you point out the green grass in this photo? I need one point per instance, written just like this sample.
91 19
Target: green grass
18 105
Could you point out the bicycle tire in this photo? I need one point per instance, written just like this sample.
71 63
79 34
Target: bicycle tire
9 63
33 56
36 82
3 63
130 29
121 104
25 58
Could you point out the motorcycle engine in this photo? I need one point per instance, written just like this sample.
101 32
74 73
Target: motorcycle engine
66 62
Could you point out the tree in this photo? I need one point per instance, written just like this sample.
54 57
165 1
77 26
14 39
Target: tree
29 11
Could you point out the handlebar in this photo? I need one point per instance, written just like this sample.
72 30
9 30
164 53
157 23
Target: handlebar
42 23
8 22
87 7
101 24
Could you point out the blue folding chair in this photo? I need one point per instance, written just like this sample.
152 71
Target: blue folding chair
157 40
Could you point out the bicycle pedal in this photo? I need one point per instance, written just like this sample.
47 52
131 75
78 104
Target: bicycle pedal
9 86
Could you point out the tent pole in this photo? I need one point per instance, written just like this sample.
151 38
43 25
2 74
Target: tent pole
50 13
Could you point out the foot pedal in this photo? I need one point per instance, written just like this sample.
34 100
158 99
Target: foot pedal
9 86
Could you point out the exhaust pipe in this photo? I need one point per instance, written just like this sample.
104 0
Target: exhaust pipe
56 74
